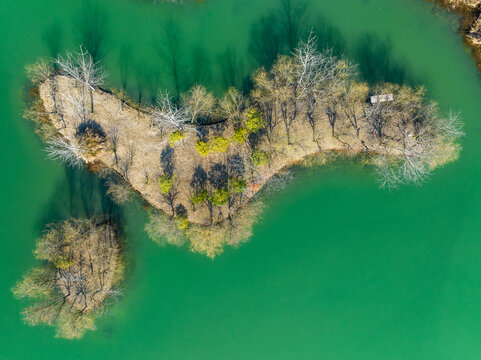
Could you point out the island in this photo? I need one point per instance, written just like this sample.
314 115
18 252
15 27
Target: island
199 161
82 270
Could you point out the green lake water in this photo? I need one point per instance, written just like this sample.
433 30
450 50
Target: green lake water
337 270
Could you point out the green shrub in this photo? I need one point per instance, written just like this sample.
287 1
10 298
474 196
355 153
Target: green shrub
219 197
237 186
239 134
203 148
176 136
219 144
259 158
199 197
181 222
165 184
62 262
254 121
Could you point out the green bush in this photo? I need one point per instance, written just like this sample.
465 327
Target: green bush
259 158
199 197
176 136
203 148
181 222
254 121
165 184
62 262
219 144
237 186
239 134
219 197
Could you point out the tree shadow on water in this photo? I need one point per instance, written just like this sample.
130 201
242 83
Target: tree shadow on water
52 37
80 194
376 62
231 68
169 49
278 32
328 37
125 65
200 68
91 26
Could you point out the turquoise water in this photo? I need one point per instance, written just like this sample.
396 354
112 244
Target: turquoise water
338 269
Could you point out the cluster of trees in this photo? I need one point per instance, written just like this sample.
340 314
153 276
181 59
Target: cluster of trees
82 269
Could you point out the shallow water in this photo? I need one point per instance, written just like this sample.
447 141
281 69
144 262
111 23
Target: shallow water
338 269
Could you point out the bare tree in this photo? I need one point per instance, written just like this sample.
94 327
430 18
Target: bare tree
64 151
353 103
264 98
286 88
413 164
114 139
451 126
81 66
199 104
75 99
280 181
166 114
314 70
377 117
131 152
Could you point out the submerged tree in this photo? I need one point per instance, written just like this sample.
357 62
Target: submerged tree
82 270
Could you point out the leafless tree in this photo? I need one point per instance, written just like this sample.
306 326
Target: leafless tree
166 114
81 66
124 167
131 152
451 126
286 86
314 71
75 99
279 181
377 117
113 133
413 165
264 98
64 151
198 104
